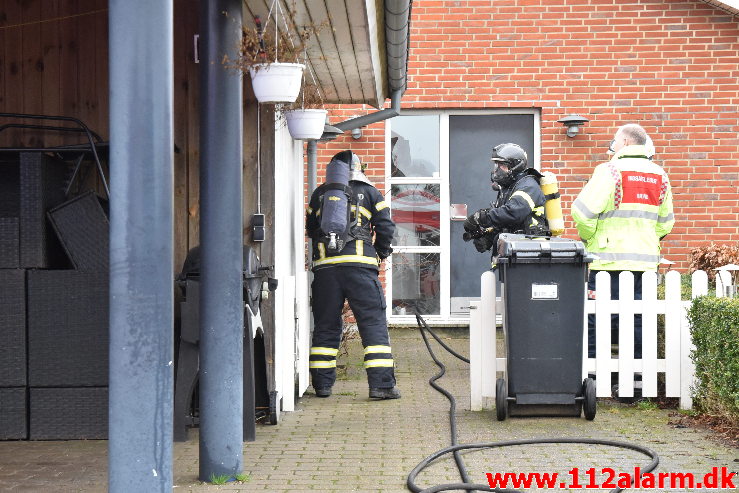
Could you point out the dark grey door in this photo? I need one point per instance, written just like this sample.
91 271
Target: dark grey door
471 139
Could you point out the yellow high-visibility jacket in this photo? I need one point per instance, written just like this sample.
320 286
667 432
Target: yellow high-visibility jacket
624 211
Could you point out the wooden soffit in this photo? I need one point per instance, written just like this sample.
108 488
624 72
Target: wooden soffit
347 56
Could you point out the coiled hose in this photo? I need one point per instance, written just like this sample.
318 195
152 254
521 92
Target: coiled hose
455 448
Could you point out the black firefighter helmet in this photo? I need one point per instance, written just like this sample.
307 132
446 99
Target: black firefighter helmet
513 157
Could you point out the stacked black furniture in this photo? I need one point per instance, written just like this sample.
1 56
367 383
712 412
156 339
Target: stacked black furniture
12 308
53 304
30 183
13 391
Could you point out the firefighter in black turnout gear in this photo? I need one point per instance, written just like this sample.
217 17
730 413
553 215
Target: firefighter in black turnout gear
351 274
519 207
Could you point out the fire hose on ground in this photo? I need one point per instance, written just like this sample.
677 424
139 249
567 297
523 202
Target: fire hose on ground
456 448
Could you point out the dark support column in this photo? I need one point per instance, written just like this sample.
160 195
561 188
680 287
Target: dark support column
221 240
250 412
141 246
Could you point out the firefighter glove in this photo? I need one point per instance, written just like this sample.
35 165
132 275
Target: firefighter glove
476 220
483 244
383 254
470 224
483 219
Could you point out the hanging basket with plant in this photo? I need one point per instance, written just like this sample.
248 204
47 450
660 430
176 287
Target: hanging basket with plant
276 82
306 117
272 57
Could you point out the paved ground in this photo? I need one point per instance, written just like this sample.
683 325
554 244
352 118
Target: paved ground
348 443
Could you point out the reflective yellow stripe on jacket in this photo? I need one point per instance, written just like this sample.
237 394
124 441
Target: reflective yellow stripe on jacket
343 259
526 197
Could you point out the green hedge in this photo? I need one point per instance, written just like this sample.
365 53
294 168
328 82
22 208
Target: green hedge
714 324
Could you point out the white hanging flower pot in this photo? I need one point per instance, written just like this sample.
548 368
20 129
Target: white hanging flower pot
306 124
276 82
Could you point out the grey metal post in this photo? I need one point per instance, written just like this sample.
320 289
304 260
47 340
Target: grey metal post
221 243
141 246
312 152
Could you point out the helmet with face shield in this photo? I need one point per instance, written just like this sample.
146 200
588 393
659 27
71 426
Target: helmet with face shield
509 160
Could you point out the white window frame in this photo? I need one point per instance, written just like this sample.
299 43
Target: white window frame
444 316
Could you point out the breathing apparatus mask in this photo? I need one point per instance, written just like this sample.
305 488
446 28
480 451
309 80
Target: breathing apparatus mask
509 160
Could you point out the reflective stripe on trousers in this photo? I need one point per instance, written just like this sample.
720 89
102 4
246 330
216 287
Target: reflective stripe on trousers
362 288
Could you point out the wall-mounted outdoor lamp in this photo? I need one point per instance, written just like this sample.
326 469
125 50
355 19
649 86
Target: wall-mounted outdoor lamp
573 122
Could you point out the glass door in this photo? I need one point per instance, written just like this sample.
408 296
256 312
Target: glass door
471 140
438 173
415 204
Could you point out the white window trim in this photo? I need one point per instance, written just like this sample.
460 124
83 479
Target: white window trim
444 316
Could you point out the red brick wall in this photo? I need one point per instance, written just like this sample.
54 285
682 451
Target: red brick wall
670 65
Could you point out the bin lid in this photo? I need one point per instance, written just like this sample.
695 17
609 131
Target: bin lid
519 248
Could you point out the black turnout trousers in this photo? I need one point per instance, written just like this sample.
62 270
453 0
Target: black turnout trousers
361 287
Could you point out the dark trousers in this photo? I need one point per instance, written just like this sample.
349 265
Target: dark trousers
362 288
614 317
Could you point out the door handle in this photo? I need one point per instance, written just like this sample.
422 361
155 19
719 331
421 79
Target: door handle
458 212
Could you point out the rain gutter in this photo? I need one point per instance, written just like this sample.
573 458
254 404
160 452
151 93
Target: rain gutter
397 43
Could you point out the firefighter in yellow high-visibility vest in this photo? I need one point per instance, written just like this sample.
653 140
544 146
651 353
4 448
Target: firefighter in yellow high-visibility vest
622 213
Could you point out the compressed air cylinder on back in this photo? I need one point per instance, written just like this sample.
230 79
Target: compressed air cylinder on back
335 204
553 204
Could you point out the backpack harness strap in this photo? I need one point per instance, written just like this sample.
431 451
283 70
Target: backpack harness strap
339 186
356 232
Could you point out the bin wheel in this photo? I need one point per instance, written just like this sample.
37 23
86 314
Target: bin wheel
589 394
501 399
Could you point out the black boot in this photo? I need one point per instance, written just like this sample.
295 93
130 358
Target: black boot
389 393
323 391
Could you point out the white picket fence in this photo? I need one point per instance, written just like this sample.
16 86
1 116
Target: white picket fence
676 364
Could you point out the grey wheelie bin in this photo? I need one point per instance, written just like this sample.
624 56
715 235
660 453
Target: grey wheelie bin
544 281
